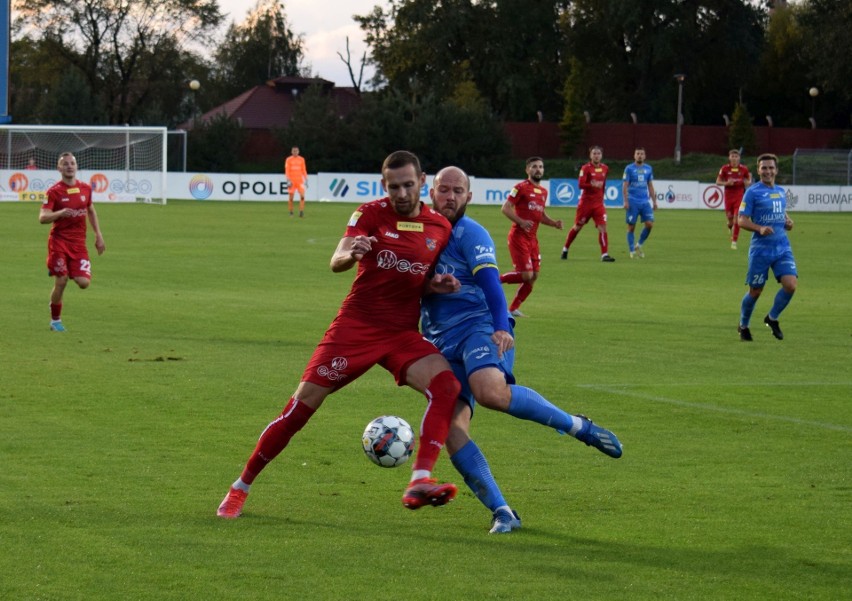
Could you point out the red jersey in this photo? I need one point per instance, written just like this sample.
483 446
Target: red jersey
390 279
589 173
69 232
737 175
528 199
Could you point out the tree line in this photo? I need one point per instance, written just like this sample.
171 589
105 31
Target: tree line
447 73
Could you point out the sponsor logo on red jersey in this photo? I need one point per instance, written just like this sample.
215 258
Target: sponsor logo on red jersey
387 259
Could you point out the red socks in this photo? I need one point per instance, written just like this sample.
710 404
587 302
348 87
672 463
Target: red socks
572 233
275 437
55 311
513 277
603 239
441 393
523 292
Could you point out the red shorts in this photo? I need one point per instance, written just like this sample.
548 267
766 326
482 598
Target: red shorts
64 260
350 347
595 212
524 252
732 203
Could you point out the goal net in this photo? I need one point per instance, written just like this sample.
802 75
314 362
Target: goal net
122 164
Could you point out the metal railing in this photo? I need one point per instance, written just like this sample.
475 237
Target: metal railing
822 167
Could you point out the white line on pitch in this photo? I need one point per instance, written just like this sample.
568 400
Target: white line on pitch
706 407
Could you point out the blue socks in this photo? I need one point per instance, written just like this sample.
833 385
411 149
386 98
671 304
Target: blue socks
630 238
782 299
644 235
746 309
472 465
527 404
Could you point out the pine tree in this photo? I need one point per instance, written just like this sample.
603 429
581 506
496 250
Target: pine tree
572 126
741 134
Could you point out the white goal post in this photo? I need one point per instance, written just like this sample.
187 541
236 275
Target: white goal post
122 164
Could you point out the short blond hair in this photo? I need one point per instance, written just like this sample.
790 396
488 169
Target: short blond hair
63 155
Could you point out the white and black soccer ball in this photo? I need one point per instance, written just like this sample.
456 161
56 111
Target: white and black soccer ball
388 441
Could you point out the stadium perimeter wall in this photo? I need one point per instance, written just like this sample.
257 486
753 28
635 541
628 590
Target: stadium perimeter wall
116 187
620 139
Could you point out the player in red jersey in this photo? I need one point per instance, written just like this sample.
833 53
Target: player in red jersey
394 242
736 178
525 209
592 183
68 204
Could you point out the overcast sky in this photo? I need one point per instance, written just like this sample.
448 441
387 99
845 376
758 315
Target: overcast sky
325 25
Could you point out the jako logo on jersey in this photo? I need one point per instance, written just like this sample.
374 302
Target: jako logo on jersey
387 259
338 187
535 207
391 234
713 197
18 182
200 187
99 183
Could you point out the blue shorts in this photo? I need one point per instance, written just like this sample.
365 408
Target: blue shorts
475 352
644 212
759 265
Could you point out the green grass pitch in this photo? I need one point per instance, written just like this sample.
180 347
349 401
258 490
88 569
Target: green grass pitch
119 438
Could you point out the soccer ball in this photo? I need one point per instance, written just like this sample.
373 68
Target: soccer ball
388 441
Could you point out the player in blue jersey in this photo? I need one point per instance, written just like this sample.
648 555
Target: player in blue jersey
640 201
764 212
473 329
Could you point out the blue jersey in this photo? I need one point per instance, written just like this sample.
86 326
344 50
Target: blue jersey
637 178
448 318
767 205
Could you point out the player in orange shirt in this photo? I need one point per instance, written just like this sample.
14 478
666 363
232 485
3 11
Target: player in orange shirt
296 173
68 204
